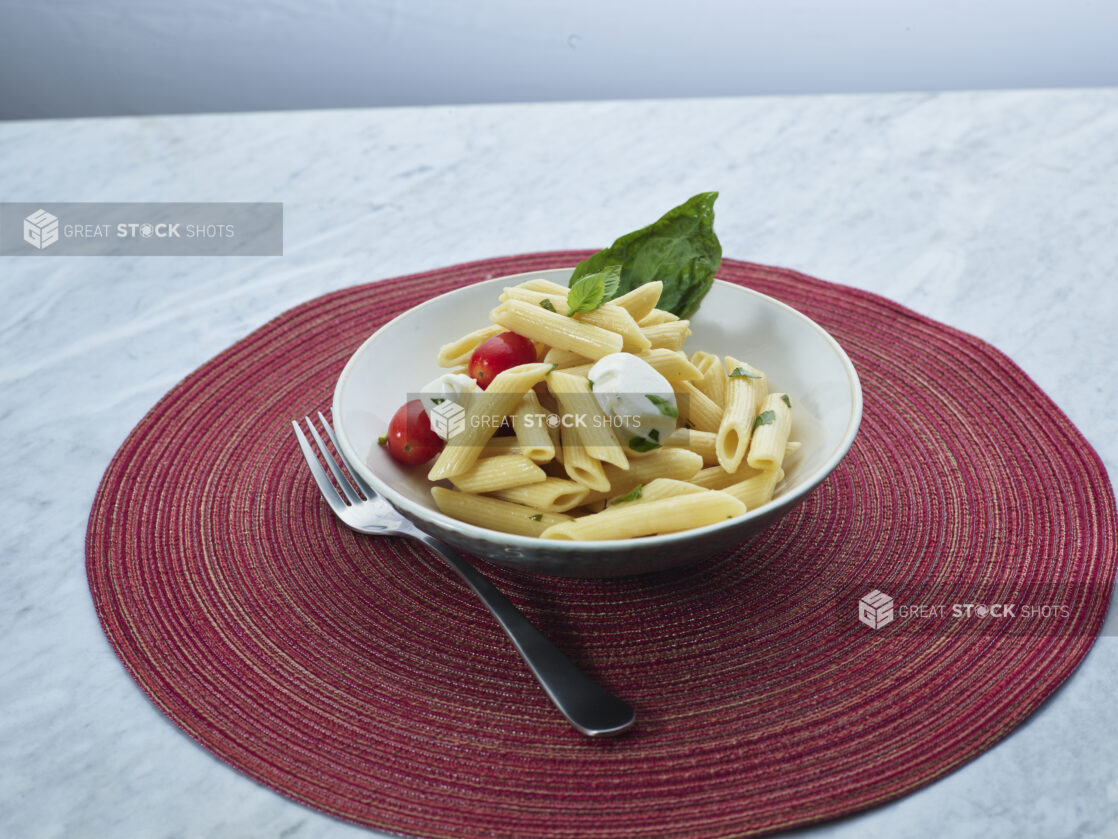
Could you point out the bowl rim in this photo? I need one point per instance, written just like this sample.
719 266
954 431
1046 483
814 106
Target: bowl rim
484 534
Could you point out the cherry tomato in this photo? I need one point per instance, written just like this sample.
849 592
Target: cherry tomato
498 354
410 438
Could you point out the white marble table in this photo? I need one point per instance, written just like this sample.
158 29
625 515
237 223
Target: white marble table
994 212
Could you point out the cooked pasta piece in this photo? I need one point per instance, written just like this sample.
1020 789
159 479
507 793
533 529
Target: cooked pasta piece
579 465
555 330
566 358
668 335
594 433
667 515
498 446
540 284
770 432
713 383
701 442
697 409
558 300
679 464
657 316
501 472
641 300
530 424
655 490
484 413
457 353
756 491
616 319
494 513
746 388
556 495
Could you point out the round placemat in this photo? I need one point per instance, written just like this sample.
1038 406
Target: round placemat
856 650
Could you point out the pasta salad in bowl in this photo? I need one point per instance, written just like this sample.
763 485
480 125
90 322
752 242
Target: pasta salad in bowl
562 422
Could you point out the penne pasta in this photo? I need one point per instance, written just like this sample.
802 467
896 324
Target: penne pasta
579 465
617 319
770 432
641 301
701 442
718 452
746 388
679 464
592 430
657 316
483 415
566 358
555 330
697 409
655 490
666 515
530 424
756 491
494 513
501 472
669 335
457 353
556 495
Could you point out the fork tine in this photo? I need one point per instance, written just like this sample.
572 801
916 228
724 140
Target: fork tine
362 484
332 498
343 481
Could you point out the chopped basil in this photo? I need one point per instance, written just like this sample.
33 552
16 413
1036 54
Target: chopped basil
646 444
663 405
437 401
547 304
536 517
382 440
742 373
631 495
590 292
553 367
784 398
591 383
764 418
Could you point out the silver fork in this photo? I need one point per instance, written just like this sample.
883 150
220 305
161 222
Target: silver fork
587 705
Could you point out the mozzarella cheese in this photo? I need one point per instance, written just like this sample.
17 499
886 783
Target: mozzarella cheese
638 399
445 386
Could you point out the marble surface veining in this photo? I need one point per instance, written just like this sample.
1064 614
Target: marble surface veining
994 212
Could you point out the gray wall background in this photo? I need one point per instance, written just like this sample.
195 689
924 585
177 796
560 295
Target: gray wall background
62 58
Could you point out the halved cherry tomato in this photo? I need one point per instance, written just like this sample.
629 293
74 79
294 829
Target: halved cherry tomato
410 438
498 354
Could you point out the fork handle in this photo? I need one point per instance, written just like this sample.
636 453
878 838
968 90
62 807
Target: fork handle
587 705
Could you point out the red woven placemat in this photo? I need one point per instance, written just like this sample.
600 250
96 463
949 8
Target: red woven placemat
358 676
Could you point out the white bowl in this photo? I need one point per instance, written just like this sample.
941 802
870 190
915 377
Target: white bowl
797 355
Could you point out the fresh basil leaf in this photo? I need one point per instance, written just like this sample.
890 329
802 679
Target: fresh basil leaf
680 250
437 401
547 304
784 398
631 495
644 444
764 418
586 295
611 281
536 517
742 373
654 435
662 405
